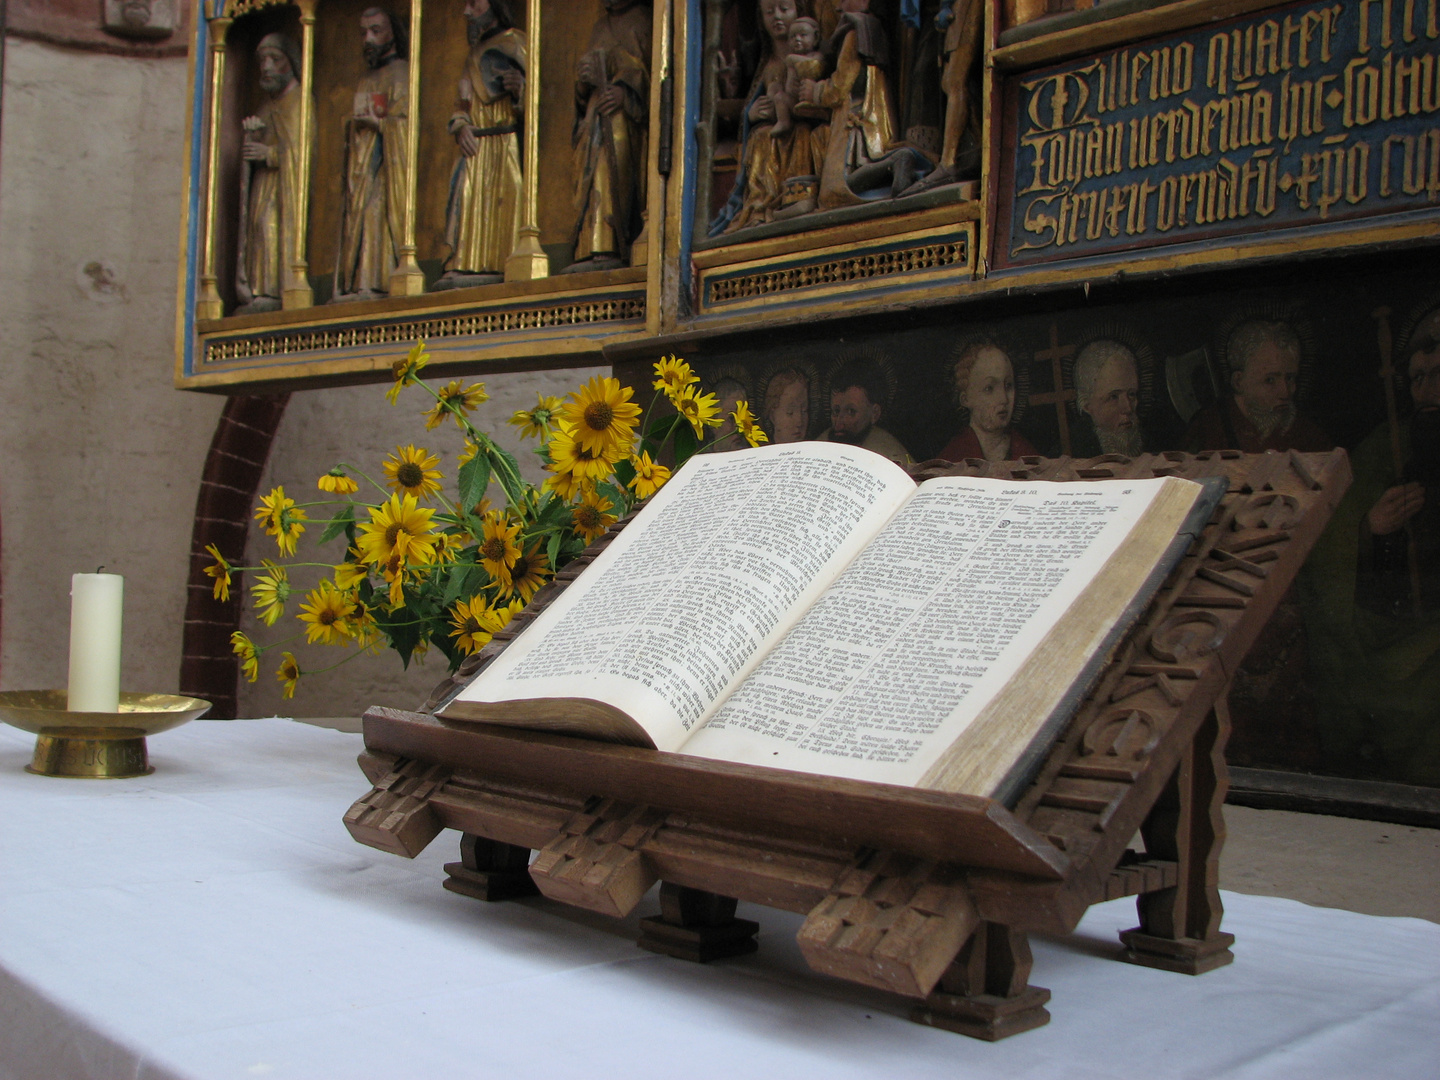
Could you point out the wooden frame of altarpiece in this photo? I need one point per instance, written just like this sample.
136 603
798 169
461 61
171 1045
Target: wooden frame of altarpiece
920 893
1174 136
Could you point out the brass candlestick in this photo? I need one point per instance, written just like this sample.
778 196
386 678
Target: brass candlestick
95 745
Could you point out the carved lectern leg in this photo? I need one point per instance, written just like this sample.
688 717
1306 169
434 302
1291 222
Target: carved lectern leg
890 921
697 925
985 992
594 862
490 870
396 816
1180 927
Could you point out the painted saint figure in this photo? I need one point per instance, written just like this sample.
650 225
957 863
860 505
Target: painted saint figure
985 393
1259 413
612 105
857 401
786 412
270 239
377 167
1107 392
1372 592
483 215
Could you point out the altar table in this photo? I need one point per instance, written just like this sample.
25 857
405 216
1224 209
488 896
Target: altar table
215 920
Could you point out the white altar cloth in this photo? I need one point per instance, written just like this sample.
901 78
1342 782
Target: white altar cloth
215 920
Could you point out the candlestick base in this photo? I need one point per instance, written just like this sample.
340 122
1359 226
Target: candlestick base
108 746
95 759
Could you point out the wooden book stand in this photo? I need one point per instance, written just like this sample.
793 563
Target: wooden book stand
926 894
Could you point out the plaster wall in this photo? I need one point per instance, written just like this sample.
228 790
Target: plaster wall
358 426
101 456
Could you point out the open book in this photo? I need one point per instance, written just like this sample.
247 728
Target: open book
808 607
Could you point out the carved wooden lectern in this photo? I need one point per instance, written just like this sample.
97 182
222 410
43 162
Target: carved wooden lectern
922 893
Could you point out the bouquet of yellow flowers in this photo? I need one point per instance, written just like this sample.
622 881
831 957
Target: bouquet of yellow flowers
452 574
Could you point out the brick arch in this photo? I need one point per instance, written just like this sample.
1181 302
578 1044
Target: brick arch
233 468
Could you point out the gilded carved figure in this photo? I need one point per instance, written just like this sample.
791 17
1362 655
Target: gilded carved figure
271 181
863 157
960 22
484 213
611 135
376 165
984 381
803 61
776 178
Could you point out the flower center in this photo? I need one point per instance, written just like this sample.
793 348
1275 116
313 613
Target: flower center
493 549
520 569
471 626
392 534
327 617
598 415
409 475
587 517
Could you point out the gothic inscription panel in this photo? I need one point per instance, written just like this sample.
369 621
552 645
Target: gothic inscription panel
1305 114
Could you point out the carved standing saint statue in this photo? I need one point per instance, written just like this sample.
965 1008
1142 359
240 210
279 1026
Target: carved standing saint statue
377 168
271 182
960 20
483 216
612 103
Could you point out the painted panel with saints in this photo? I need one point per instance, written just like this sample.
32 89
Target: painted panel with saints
1346 678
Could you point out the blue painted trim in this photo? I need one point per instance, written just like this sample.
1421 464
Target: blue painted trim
192 235
691 152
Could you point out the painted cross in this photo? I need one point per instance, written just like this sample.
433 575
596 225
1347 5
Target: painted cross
1058 395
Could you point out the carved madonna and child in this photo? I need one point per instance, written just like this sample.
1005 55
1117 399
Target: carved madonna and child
823 113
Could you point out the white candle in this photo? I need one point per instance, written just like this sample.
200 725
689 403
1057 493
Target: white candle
95 605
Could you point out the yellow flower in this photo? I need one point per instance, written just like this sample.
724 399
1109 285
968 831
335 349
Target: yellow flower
271 590
281 520
462 399
702 410
397 528
288 673
475 624
745 424
421 650
567 455
220 572
406 370
600 416
348 576
360 624
325 610
590 517
411 469
336 482
528 573
650 476
566 486
535 424
467 454
249 655
498 550
673 375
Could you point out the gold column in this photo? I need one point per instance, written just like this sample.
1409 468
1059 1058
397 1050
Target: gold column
528 262
297 292
408 279
208 304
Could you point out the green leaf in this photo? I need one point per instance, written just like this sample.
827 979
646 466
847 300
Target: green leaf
455 584
685 444
344 521
507 472
474 479
552 550
611 492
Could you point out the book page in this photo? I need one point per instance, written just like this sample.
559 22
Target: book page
705 579
929 623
